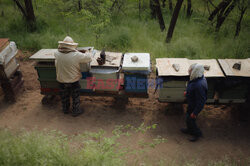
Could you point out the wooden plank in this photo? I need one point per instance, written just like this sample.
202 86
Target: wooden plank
165 68
226 101
4 42
113 59
171 94
44 55
11 68
215 70
175 84
227 67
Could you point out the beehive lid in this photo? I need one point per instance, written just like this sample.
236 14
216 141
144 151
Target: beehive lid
44 55
113 59
227 67
3 42
8 53
165 66
214 71
143 63
47 55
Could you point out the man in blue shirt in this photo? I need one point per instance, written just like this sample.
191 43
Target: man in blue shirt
196 97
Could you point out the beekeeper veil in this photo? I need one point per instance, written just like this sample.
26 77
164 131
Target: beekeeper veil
196 71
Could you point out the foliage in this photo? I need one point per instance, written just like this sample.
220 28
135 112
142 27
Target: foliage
56 148
121 29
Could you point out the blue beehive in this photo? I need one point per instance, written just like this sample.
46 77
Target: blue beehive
136 73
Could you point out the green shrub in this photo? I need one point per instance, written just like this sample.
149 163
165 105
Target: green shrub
117 39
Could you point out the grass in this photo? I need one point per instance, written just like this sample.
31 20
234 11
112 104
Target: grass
55 148
193 38
25 148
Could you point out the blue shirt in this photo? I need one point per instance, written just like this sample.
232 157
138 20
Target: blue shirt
196 95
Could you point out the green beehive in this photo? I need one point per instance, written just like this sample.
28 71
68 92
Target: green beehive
235 88
46 70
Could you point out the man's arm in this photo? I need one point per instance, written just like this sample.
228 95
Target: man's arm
84 57
200 99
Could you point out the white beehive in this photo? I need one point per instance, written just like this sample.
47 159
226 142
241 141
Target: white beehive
143 63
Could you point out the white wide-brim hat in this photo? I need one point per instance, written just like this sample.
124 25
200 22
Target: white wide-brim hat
68 41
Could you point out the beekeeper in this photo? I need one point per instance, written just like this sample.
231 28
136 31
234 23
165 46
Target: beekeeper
67 61
196 95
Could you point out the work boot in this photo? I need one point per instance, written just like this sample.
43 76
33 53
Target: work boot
185 131
194 138
77 113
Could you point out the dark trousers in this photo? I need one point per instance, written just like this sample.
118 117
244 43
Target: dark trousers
67 90
192 126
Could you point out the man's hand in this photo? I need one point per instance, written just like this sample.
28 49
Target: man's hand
193 116
185 93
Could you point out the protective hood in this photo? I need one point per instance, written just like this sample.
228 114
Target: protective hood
197 71
66 49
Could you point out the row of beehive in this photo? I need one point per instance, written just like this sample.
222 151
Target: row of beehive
101 76
10 77
225 84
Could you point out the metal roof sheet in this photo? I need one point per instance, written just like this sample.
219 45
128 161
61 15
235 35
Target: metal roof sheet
214 71
227 66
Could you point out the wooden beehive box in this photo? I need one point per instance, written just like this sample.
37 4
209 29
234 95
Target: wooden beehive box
174 83
8 62
235 87
136 73
106 76
46 69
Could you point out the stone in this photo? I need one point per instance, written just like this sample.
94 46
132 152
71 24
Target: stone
176 67
134 58
237 66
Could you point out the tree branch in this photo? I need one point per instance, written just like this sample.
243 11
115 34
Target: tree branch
20 7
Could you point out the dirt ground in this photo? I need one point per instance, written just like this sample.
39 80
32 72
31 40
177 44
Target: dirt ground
225 135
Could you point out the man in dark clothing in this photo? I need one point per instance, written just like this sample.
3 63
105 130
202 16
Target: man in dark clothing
196 97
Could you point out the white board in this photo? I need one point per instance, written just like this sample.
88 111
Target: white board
143 63
165 66
227 66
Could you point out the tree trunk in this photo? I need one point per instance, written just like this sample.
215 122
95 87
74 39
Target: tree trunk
189 8
28 13
113 5
222 17
173 20
163 3
152 8
170 5
79 5
223 4
159 14
238 25
139 6
21 8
